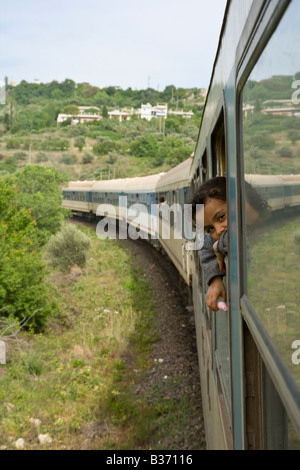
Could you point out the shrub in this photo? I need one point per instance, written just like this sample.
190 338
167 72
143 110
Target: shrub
87 158
13 143
68 159
20 155
41 157
68 248
104 147
79 142
285 152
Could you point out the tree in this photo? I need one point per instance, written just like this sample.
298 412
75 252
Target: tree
104 112
71 109
39 191
146 146
23 293
79 142
173 151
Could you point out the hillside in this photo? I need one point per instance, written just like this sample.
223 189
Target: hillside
104 148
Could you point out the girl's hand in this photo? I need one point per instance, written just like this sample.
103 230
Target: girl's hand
215 290
220 258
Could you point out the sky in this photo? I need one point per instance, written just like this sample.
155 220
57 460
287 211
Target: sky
126 43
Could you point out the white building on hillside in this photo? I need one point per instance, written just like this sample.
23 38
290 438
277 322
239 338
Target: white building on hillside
78 118
123 115
147 111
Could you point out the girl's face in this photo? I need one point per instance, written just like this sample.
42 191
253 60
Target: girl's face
215 217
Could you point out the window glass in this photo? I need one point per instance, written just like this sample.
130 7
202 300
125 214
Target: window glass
271 140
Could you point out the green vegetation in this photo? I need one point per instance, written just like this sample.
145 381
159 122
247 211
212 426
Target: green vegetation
271 138
67 376
130 148
76 382
68 248
39 190
23 294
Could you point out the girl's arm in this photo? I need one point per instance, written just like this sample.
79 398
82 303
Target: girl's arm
209 261
213 274
215 290
220 248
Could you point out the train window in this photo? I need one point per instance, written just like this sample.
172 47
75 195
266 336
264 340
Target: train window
218 148
204 169
271 148
221 320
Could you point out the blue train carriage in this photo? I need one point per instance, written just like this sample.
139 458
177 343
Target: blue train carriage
77 196
106 195
141 206
281 191
249 356
174 188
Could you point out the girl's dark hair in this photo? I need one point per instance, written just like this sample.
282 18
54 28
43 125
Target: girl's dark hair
255 200
215 188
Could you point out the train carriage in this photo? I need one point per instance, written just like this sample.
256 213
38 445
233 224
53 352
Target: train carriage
141 204
174 188
250 378
77 197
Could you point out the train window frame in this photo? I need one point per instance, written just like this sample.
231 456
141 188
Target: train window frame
204 167
196 182
271 360
218 143
223 369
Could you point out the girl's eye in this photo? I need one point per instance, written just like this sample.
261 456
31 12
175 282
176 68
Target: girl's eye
209 229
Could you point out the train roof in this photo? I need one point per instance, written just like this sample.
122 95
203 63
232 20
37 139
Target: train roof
80 184
143 183
272 180
115 185
136 184
178 177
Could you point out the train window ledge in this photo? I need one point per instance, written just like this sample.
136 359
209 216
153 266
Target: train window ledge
284 383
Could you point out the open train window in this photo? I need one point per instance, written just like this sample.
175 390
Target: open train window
218 148
221 320
204 167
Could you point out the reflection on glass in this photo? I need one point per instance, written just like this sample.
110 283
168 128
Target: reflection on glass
271 139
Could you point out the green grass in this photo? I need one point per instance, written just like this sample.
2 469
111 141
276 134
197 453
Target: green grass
78 377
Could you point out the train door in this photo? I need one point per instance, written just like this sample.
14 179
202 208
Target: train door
269 263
